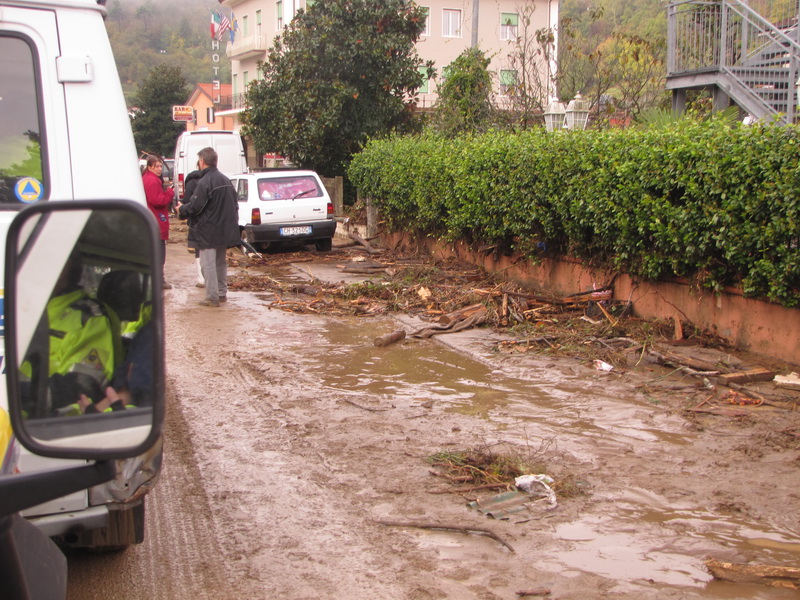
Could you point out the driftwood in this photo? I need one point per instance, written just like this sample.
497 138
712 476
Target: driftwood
367 246
303 288
782 577
390 338
673 358
751 375
366 268
472 488
461 313
542 591
451 528
682 363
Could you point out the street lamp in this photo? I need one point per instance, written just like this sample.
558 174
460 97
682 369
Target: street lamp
554 115
577 113
797 92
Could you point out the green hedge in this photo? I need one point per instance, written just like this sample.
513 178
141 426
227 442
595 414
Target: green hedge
705 201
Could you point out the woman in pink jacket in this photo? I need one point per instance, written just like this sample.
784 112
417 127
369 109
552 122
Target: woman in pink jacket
158 200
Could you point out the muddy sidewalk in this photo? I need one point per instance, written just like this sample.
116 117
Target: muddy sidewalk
338 467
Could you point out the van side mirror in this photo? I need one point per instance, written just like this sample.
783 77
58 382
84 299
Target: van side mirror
84 329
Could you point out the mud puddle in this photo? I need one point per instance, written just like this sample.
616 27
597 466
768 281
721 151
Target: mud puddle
646 522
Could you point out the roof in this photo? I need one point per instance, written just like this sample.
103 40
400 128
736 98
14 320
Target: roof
207 89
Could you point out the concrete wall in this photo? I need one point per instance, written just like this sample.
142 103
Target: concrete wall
755 325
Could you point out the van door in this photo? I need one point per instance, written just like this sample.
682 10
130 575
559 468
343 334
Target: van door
32 97
229 153
33 128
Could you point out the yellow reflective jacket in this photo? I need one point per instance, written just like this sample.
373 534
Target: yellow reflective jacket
81 336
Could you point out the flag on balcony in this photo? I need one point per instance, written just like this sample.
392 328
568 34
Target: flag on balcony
214 23
224 25
234 27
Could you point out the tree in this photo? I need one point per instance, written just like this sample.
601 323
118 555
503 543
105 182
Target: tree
532 59
637 69
465 96
343 71
153 127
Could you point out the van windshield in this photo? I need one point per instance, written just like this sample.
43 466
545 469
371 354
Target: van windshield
21 171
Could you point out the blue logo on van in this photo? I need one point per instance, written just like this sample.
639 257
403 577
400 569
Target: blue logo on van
28 190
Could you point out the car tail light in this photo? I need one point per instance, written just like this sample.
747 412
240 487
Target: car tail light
255 217
180 186
330 210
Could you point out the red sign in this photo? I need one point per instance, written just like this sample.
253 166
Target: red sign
182 113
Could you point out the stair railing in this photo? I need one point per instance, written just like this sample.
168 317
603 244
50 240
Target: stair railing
728 36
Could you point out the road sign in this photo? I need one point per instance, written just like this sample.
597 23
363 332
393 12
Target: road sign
182 113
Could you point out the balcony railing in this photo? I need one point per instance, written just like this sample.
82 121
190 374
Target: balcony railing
244 47
234 102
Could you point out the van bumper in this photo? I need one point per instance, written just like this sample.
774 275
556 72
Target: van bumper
286 232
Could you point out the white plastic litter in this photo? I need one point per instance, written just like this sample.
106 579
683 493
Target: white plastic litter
602 365
538 484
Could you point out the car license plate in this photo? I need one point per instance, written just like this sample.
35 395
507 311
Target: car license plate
305 230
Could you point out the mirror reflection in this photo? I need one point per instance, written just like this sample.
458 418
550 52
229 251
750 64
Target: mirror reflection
89 363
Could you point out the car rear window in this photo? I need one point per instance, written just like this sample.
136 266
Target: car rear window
279 188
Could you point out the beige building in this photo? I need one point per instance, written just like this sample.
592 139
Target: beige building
204 97
451 27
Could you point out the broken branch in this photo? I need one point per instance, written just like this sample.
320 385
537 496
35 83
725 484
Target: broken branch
450 528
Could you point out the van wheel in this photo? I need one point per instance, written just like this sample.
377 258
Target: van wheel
325 245
125 527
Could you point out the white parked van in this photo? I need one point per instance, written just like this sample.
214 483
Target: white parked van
65 135
229 148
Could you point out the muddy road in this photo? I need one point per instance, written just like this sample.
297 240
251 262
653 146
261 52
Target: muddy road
298 466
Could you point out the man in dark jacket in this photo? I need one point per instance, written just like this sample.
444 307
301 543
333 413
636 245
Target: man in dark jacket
213 225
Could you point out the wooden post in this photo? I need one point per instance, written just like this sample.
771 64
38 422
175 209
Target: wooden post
372 219
335 187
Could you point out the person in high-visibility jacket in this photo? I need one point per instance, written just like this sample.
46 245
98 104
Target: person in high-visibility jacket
82 345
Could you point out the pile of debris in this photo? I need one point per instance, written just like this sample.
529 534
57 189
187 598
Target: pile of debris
590 326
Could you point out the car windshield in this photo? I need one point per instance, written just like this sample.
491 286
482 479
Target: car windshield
277 188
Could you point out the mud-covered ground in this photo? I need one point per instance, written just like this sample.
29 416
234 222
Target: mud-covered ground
303 461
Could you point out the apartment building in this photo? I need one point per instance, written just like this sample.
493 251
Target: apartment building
451 27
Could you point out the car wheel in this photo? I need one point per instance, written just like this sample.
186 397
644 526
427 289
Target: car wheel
325 245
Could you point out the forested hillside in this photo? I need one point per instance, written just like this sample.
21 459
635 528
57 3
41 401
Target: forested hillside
146 33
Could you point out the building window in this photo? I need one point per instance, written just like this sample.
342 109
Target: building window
451 22
279 15
245 26
310 3
424 88
245 79
258 18
508 81
427 12
508 26
446 72
235 86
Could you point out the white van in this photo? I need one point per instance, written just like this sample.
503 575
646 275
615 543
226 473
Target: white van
65 135
228 145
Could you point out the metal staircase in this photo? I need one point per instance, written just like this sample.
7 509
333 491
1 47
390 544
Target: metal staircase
726 46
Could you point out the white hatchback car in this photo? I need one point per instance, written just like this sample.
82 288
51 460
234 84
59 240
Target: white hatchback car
285 205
